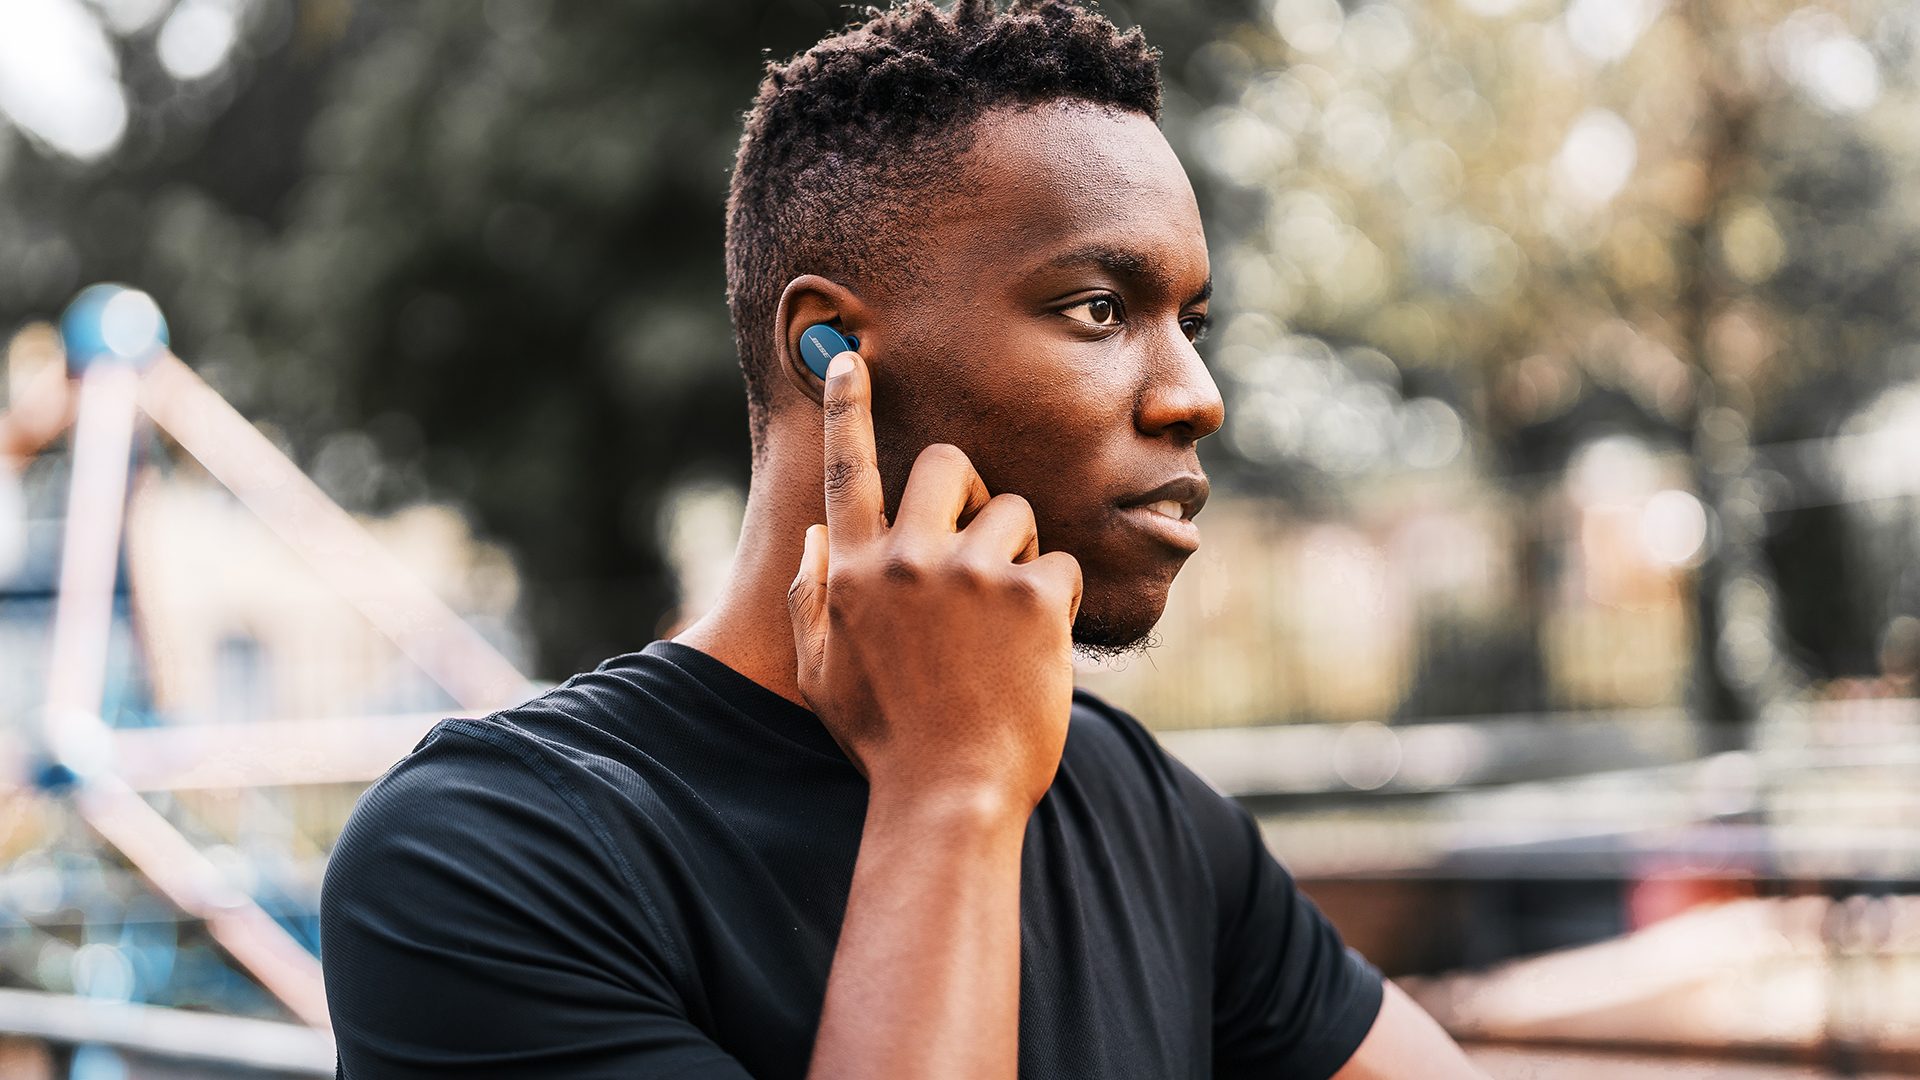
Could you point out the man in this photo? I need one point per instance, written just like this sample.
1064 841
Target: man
856 821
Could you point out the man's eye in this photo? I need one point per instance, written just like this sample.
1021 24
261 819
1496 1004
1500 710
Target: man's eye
1099 311
1195 327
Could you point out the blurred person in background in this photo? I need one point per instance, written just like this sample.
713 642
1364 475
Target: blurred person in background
857 821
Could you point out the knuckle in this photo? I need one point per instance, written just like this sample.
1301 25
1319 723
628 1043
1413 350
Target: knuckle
839 609
799 591
1016 505
838 406
901 569
971 573
944 455
840 579
1027 590
840 476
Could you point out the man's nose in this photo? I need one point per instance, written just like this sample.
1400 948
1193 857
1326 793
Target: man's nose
1181 398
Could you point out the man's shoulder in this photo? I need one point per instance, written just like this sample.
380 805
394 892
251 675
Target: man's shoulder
543 736
565 752
474 775
510 829
486 808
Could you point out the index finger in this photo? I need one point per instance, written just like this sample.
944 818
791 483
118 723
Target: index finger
856 511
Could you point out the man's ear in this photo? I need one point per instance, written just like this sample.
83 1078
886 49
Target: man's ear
809 300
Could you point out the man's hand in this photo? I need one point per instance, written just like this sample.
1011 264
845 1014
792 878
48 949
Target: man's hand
937 649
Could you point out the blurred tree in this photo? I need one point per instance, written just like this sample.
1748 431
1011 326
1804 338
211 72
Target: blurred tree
471 251
504 260
1566 220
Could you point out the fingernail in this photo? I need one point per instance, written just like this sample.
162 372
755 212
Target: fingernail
839 365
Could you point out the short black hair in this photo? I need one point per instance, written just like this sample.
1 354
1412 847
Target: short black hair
844 139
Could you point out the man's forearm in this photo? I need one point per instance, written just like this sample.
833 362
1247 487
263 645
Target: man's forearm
926 978
1405 1041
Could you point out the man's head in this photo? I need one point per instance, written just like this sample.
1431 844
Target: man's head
985 199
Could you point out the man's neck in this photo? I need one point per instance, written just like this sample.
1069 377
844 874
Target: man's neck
749 629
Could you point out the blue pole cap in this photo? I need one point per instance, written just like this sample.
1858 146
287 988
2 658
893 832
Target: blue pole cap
112 324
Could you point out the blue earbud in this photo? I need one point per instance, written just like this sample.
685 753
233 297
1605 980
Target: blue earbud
820 343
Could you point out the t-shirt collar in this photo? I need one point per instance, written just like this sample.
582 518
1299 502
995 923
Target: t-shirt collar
762 705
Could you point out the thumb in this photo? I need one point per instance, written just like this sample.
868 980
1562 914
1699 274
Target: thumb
807 606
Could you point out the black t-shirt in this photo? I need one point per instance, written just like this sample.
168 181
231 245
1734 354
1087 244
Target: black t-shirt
642 874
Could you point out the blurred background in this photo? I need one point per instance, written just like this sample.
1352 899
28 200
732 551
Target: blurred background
1557 612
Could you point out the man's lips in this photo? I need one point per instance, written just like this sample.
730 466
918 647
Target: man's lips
1167 511
1178 499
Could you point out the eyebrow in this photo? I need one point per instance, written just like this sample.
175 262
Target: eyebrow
1120 262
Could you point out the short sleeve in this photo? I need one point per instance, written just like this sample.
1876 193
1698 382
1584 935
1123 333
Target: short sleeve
475 924
1290 999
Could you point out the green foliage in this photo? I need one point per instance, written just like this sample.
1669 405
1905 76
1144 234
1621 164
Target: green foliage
458 250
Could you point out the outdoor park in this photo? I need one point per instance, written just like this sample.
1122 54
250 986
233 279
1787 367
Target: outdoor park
1557 613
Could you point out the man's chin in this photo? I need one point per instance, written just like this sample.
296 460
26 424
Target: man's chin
1101 637
1105 653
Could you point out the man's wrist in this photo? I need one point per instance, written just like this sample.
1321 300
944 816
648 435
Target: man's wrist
969 809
